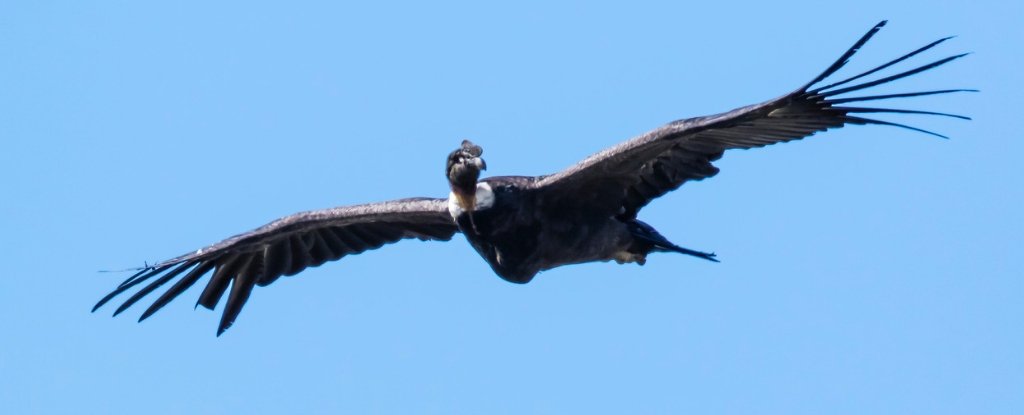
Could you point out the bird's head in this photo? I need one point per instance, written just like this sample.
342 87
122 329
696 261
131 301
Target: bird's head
464 166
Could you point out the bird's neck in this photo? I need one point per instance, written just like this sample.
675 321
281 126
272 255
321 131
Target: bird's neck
463 199
465 196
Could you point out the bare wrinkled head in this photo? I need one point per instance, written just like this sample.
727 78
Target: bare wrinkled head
471 149
464 166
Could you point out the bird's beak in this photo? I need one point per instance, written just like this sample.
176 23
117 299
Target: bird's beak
479 163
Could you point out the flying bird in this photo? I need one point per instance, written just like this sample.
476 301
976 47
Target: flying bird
524 225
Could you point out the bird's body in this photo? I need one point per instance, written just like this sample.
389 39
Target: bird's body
520 231
524 225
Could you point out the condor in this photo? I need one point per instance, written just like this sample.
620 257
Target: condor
524 225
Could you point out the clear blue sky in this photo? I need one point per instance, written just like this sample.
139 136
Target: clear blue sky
869 270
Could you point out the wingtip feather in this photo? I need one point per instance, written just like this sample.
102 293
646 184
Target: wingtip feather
120 309
845 57
862 120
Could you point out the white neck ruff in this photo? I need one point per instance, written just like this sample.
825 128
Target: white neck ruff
484 200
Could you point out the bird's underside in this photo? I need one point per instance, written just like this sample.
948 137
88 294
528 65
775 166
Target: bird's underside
521 231
524 225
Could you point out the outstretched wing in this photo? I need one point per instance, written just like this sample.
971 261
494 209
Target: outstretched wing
286 247
624 178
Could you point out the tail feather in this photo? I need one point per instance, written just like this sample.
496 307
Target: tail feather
710 256
647 233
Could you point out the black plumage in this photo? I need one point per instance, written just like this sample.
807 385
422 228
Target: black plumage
286 247
524 225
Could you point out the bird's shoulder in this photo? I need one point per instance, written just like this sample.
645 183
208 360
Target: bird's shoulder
511 183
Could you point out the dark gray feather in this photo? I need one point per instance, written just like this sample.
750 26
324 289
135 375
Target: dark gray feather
285 247
657 162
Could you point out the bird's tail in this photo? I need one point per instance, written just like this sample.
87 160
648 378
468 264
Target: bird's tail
647 233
